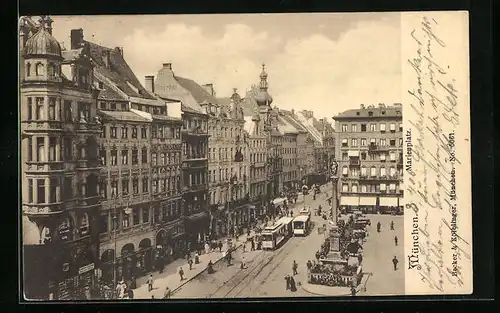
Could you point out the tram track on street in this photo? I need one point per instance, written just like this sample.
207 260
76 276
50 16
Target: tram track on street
244 282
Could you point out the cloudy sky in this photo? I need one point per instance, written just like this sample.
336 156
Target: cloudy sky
327 62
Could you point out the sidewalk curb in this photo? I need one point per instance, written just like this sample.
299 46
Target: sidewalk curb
202 271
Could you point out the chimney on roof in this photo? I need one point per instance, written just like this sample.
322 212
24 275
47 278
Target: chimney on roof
106 57
210 89
119 50
167 65
150 83
293 112
76 38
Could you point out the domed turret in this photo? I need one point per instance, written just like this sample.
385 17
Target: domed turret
42 44
235 97
263 98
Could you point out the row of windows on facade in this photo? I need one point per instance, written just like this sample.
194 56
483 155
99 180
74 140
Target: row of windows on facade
292 175
168 212
373 141
163 159
258 173
224 195
374 157
157 132
53 70
225 154
48 190
225 132
354 172
370 188
226 174
257 143
112 106
372 126
289 150
168 185
195 123
257 189
47 150
290 162
258 157
41 110
194 151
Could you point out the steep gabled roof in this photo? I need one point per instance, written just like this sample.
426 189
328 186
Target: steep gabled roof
118 72
198 92
122 116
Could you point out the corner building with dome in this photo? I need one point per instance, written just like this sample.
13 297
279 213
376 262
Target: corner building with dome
59 165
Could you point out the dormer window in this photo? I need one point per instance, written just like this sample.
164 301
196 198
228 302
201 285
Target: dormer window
370 113
101 85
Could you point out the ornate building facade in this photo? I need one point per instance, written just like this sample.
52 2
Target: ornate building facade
140 146
60 166
257 145
194 156
228 166
369 149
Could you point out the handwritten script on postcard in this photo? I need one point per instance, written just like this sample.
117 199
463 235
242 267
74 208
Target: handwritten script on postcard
437 185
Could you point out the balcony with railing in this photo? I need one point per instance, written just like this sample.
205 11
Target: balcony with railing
196 131
367 177
355 162
376 148
88 164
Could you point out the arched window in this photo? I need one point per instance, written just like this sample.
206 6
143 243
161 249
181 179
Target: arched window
51 70
28 69
84 224
39 70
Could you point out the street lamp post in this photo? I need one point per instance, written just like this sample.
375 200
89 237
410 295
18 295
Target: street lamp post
127 211
334 169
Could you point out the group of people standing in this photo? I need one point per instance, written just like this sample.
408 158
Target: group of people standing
395 260
290 280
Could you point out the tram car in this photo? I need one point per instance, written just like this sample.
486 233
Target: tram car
274 236
301 225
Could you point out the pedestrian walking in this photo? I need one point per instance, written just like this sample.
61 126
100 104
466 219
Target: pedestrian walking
150 283
293 286
167 294
243 263
120 289
395 240
378 227
309 264
252 245
190 263
287 279
181 273
130 293
395 262
196 258
244 247
360 258
392 225
294 267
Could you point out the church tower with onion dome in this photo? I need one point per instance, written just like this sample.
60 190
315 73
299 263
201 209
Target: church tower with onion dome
263 98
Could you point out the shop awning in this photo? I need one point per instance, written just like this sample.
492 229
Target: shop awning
386 201
197 216
353 153
279 200
349 200
367 201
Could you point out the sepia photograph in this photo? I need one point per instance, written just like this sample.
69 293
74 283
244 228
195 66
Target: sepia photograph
229 157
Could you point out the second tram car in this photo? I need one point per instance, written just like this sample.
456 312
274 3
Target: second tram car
301 225
275 235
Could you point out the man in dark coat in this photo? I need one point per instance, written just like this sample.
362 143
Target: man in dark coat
396 240
395 262
287 279
293 286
